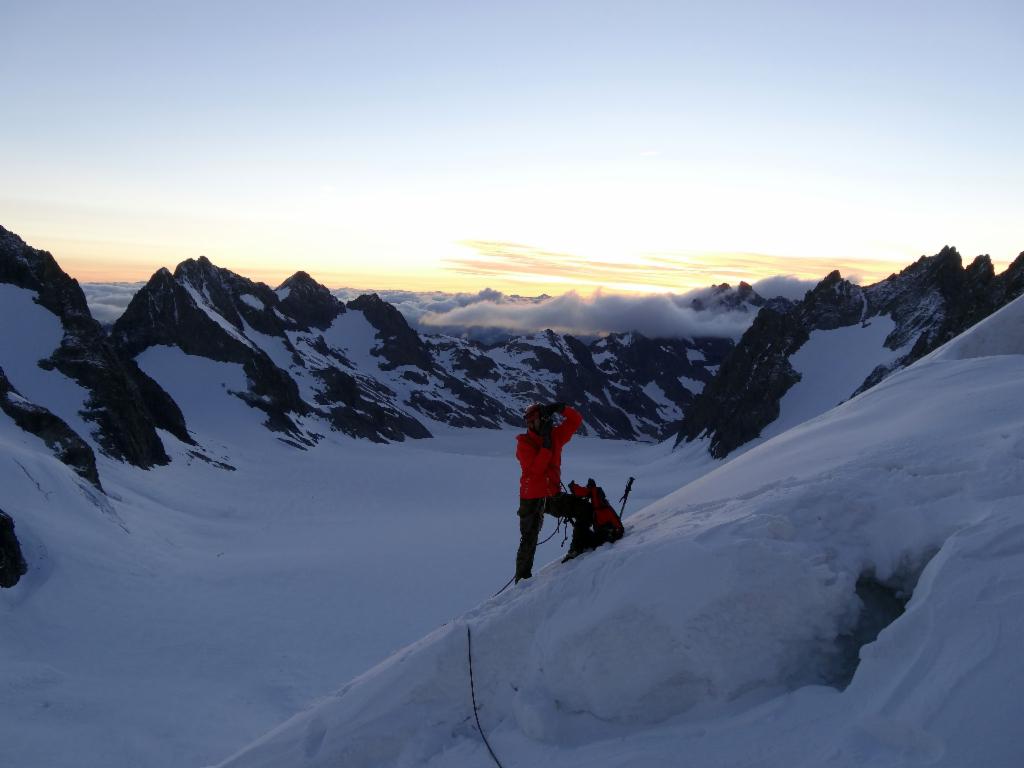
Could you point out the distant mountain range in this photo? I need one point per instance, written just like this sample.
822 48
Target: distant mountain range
313 363
927 304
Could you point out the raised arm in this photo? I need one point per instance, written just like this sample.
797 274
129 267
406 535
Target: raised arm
571 421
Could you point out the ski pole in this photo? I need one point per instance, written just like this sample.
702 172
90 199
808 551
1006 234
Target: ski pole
625 496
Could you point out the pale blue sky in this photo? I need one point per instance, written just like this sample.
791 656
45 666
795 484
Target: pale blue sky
368 140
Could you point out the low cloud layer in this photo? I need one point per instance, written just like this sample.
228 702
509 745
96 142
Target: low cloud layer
414 304
657 315
785 286
108 301
489 315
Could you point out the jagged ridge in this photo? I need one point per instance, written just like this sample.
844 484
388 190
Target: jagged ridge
930 301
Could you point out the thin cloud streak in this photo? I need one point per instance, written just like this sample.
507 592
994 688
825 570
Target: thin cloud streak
660 271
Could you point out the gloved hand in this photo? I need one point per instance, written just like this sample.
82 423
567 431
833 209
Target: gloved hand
552 408
545 432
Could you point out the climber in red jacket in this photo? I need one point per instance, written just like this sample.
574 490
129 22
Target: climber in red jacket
539 451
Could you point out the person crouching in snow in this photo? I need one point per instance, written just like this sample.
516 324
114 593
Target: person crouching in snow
539 451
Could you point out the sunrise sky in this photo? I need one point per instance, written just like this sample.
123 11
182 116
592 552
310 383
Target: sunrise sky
526 146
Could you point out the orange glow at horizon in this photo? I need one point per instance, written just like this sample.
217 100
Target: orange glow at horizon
477 264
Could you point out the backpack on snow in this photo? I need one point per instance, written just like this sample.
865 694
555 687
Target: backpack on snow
607 524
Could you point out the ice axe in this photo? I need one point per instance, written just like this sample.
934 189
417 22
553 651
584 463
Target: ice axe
625 496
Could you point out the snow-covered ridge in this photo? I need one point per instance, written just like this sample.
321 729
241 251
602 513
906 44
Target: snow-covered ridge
360 368
998 334
925 305
716 628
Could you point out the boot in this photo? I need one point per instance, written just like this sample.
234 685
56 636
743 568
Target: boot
573 552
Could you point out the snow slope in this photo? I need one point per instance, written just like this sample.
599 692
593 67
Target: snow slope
178 619
832 364
712 634
39 333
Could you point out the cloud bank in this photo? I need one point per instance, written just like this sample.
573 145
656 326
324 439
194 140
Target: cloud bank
785 287
653 315
490 315
108 301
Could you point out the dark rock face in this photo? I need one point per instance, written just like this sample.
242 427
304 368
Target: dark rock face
120 395
832 303
626 385
1010 284
931 301
211 312
400 344
439 393
308 303
180 310
744 396
639 366
724 297
352 411
373 376
12 563
65 443
935 299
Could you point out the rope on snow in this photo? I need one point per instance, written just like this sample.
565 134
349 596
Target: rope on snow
472 691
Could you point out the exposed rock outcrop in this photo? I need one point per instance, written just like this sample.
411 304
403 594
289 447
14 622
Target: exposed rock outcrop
399 344
744 396
930 302
361 368
308 303
12 563
65 443
124 403
204 310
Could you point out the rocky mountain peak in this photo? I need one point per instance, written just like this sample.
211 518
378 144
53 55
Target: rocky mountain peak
724 297
63 441
198 271
949 253
400 344
746 291
930 301
981 267
37 270
980 276
231 295
300 280
124 403
200 309
744 395
833 303
309 303
1011 282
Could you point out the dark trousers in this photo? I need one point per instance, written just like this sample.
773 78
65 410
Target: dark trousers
531 520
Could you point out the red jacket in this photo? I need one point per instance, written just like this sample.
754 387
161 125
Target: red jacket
542 467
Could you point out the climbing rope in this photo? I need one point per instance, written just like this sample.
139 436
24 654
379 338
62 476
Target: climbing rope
472 692
564 538
507 583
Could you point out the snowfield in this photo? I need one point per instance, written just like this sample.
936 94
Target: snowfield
181 617
708 636
196 607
